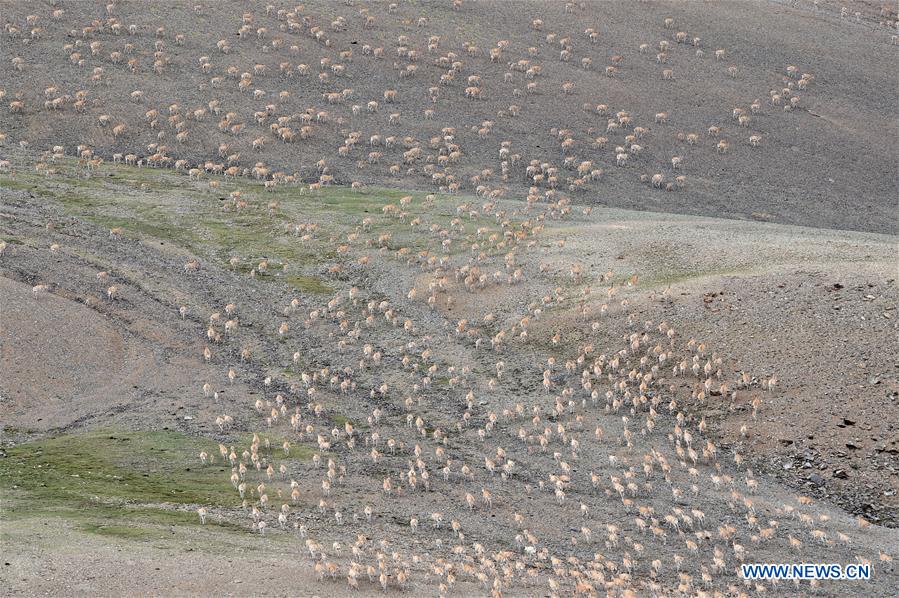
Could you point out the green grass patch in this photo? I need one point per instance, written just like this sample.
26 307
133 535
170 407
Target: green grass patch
18 183
126 522
125 485
340 420
275 451
128 485
167 206
116 467
307 284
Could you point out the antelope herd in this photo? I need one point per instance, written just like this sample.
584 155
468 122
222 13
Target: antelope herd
503 423
264 96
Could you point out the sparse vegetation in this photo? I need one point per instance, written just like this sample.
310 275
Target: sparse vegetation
340 281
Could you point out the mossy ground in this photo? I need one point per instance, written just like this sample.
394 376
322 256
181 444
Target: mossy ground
167 206
132 485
